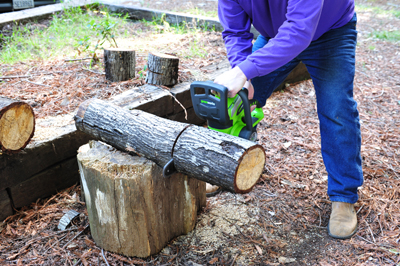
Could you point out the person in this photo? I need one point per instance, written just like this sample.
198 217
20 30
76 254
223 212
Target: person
322 34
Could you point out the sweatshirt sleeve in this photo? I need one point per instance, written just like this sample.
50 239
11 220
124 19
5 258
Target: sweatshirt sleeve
236 33
294 35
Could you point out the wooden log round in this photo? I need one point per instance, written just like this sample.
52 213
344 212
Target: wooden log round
133 210
220 159
227 161
17 124
119 64
162 69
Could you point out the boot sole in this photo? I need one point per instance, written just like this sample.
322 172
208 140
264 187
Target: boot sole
342 237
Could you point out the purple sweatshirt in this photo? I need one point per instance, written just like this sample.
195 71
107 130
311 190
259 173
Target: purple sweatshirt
292 25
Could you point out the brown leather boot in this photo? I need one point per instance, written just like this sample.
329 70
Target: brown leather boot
343 221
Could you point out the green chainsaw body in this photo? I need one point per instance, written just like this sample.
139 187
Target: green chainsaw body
228 115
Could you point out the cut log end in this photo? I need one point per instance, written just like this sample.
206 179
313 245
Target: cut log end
164 55
250 169
119 49
17 125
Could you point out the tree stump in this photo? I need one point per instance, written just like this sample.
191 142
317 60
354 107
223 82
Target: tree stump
162 69
17 124
119 64
133 210
217 158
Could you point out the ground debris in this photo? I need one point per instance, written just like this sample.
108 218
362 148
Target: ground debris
284 218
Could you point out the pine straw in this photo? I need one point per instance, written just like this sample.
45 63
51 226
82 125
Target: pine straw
58 87
288 209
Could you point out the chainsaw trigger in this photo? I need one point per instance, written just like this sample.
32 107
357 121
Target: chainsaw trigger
169 168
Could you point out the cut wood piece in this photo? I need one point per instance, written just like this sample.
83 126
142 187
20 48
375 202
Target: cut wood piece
17 124
162 69
119 64
220 159
217 158
133 210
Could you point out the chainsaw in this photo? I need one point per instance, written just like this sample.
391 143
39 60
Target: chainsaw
228 115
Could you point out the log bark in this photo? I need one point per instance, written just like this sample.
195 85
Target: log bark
119 64
217 158
17 124
162 69
133 210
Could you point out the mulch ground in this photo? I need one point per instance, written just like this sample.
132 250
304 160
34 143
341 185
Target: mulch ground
282 221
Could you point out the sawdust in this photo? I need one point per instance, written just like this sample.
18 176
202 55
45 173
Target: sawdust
52 126
225 214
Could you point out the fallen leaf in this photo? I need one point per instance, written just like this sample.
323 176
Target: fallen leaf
259 249
214 260
72 246
287 144
285 260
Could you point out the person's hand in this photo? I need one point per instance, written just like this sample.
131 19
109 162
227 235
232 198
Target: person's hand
233 79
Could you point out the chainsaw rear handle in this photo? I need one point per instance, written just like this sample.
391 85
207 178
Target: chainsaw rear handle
243 93
214 109
209 107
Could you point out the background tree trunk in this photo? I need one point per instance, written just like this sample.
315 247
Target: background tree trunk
133 210
217 158
162 69
119 64
17 124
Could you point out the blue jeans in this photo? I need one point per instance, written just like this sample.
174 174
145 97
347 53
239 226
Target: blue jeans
330 60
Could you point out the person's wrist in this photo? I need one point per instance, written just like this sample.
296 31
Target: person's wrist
239 74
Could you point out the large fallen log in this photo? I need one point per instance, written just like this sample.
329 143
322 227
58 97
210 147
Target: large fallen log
217 158
17 124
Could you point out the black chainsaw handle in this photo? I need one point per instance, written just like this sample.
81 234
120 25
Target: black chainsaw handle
246 106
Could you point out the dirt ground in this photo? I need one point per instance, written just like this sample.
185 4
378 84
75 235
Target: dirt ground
283 220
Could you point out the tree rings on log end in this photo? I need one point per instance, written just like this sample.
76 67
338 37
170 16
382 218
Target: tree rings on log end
17 126
249 169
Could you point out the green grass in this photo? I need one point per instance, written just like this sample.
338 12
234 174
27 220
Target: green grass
200 12
387 35
161 25
76 31
30 42
378 10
